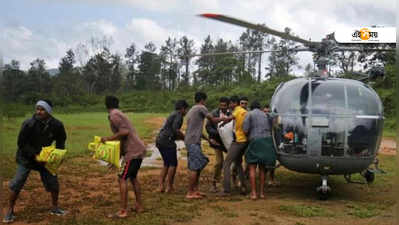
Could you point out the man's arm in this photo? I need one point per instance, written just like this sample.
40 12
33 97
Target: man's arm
23 140
61 137
217 120
247 124
211 128
122 130
176 125
117 136
227 120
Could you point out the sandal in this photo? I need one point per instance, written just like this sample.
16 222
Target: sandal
118 215
194 196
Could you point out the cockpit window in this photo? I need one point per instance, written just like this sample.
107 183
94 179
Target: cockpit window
292 97
362 100
328 98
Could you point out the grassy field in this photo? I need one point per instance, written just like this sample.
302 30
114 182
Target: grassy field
90 192
80 128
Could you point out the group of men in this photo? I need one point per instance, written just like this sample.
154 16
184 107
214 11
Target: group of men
252 137
43 129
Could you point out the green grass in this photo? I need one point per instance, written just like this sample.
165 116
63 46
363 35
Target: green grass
80 128
363 211
355 201
306 210
390 127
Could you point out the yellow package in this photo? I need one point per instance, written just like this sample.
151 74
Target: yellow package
52 157
108 151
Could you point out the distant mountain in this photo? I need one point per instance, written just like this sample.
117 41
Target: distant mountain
53 72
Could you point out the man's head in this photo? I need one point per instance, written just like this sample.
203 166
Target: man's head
44 109
255 105
234 101
224 104
181 106
111 102
244 102
200 97
266 109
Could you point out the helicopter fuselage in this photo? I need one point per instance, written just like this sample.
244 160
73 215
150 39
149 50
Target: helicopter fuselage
326 126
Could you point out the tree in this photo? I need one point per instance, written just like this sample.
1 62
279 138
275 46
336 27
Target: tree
149 68
67 62
38 81
186 49
131 61
283 61
169 64
13 82
225 65
115 82
205 63
68 82
95 45
102 70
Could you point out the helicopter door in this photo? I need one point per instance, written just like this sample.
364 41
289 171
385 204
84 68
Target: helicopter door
319 127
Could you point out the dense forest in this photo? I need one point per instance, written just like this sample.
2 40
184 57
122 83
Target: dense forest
151 79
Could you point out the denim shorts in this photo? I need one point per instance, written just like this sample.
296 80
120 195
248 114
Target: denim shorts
49 181
195 158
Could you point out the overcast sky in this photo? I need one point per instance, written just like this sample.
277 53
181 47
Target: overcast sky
46 29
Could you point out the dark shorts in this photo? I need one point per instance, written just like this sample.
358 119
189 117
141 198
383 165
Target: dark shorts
169 156
49 181
130 169
195 158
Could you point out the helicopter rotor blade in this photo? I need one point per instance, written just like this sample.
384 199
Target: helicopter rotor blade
247 52
257 27
233 53
361 49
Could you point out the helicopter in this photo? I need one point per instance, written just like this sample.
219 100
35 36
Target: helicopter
323 125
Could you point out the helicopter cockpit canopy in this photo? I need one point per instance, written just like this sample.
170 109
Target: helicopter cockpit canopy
327 117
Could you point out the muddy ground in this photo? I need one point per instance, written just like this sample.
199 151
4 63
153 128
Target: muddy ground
89 192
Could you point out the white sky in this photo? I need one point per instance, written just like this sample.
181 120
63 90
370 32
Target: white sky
46 29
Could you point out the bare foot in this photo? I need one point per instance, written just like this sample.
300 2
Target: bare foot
139 209
161 189
193 195
253 196
120 214
170 190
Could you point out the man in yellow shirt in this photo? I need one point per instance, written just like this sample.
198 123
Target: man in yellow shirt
237 148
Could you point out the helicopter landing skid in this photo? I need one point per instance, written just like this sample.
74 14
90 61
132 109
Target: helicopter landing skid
376 166
368 174
324 189
348 178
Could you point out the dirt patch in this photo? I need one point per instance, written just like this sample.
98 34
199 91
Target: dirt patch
388 146
86 127
89 192
156 122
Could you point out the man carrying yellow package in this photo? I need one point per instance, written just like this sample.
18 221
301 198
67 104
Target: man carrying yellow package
52 157
108 152
37 132
133 151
